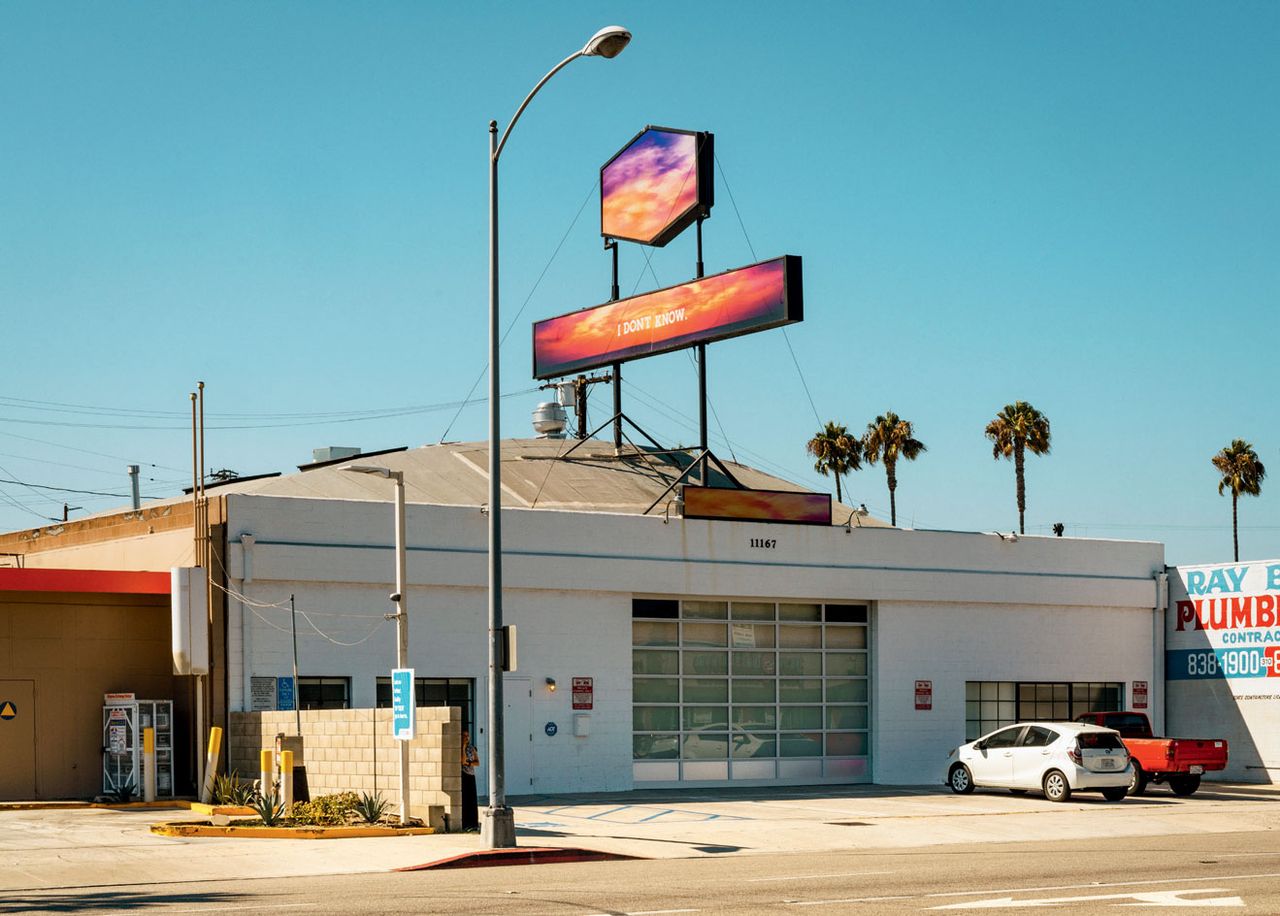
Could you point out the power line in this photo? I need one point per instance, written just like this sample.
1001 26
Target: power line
512 323
42 486
754 257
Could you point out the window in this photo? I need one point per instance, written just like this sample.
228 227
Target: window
1038 736
324 693
749 682
438 691
991 704
1006 738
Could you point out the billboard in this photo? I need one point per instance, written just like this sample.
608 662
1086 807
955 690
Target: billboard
755 298
757 505
1222 661
656 185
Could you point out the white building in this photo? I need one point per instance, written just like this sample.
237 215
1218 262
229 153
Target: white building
716 652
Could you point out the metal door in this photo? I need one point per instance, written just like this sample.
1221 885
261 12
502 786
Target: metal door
518 727
17 740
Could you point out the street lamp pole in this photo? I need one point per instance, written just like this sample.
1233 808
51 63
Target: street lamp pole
399 598
498 830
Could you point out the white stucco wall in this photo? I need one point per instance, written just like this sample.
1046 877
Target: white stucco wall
952 644
947 606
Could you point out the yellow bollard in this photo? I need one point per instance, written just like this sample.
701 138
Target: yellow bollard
266 776
211 765
149 764
286 780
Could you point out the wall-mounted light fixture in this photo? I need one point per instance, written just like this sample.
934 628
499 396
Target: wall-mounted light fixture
551 684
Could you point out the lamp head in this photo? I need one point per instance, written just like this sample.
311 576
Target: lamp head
607 43
366 469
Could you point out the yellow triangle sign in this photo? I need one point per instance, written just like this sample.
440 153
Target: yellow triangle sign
8 710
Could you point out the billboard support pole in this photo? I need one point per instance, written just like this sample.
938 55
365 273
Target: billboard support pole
614 293
702 378
617 405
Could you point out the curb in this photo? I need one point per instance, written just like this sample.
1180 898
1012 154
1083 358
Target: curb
287 833
228 810
533 855
68 805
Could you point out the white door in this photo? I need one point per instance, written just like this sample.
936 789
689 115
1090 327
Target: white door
517 697
1031 756
992 765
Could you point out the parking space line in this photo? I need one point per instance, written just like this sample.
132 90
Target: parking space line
846 874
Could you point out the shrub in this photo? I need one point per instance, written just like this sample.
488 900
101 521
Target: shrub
371 808
229 790
326 810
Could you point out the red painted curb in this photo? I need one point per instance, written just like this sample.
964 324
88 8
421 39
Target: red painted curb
535 855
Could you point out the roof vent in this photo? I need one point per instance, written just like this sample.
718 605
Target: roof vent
333 453
549 420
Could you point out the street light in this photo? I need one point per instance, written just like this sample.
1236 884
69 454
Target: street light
402 621
499 829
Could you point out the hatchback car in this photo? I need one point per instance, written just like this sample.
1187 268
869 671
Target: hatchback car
1056 757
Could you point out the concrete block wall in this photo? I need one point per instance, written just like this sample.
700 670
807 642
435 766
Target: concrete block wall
352 750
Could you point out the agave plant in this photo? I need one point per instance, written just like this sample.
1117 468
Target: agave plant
123 792
269 806
229 790
371 808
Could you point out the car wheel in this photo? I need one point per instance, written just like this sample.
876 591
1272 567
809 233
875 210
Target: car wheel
1056 787
960 779
1184 785
1115 793
1138 781
1018 791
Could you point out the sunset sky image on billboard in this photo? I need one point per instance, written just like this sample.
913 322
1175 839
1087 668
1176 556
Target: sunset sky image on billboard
755 298
654 188
757 505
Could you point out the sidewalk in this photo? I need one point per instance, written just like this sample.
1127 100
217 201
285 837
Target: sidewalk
83 847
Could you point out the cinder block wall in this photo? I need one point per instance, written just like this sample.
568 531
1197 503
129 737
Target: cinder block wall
351 750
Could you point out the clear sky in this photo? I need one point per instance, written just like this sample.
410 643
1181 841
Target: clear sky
1073 204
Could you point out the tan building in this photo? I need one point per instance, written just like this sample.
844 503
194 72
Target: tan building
66 638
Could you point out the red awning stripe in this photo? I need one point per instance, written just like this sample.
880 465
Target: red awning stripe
111 581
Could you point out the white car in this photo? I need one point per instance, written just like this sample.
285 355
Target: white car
1056 757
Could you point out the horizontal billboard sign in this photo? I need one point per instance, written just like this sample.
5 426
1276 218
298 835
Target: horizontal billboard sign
756 298
719 503
656 185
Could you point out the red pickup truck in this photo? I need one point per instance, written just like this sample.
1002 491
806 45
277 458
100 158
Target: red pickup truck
1177 761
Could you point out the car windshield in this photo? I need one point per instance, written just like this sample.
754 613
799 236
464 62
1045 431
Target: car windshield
1100 741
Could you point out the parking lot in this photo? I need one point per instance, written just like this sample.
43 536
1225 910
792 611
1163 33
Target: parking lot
85 847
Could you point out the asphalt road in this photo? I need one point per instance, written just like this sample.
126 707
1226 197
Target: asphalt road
1237 872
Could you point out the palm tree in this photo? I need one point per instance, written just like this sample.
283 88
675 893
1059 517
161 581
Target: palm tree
1017 429
890 437
1242 472
837 452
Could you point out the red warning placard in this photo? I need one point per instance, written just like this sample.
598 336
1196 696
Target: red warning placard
583 693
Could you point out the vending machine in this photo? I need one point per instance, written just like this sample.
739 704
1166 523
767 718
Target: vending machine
123 719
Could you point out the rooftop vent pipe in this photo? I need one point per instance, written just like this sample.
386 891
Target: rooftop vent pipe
550 420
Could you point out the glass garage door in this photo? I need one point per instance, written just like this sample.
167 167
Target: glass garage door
749 691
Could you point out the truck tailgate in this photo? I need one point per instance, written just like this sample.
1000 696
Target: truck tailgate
1198 755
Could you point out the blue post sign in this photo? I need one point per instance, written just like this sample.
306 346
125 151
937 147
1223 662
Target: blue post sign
284 693
402 705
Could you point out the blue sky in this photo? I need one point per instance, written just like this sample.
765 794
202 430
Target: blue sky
1077 205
